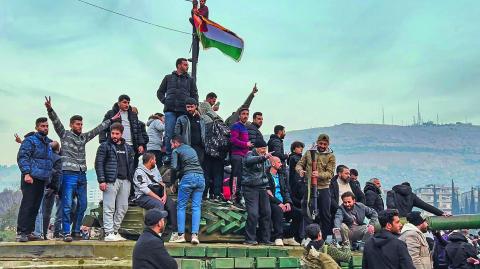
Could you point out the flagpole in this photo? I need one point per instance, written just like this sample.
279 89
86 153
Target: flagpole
195 45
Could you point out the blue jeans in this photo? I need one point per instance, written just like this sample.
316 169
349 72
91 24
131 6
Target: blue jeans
73 184
191 185
170 121
39 220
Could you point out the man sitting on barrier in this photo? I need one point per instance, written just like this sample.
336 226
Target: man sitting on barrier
349 219
150 191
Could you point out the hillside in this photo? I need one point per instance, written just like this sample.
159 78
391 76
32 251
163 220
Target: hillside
420 154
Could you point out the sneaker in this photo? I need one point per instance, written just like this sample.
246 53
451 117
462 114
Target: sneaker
278 242
305 242
178 239
120 238
267 243
32 237
290 242
250 243
195 240
77 236
67 238
111 237
173 236
22 238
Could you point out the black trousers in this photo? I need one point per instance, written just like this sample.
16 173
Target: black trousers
213 176
31 200
323 207
170 206
257 204
278 219
236 162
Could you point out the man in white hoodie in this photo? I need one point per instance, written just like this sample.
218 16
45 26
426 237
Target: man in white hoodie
413 234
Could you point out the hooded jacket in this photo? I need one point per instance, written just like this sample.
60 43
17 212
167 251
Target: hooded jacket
73 145
458 251
403 199
254 173
325 166
144 177
417 246
385 251
174 91
135 127
35 157
373 197
275 144
106 162
183 128
155 134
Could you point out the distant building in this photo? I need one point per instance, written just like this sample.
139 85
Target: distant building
94 195
469 201
439 196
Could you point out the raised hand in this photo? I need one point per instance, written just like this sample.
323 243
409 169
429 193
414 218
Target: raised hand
117 116
255 89
18 139
48 102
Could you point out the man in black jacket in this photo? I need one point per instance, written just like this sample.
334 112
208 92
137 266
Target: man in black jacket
281 206
254 133
403 199
373 194
132 133
173 93
275 145
114 168
340 184
149 251
384 250
458 251
254 188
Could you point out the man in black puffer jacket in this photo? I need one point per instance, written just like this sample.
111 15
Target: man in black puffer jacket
173 93
373 194
114 168
275 145
253 128
458 251
403 199
132 133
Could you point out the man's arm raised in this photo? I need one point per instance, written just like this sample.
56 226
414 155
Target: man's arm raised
57 124
94 132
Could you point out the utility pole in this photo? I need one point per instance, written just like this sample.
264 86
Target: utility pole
419 116
383 116
438 122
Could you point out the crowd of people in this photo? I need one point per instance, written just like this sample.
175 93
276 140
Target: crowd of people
291 198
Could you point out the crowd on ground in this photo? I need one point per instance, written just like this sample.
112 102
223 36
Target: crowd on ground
291 198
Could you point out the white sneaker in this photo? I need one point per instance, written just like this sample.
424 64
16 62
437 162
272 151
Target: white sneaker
119 237
290 242
305 242
195 240
178 238
279 242
111 237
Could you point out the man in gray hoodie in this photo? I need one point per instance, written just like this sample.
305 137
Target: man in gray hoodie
156 128
74 166
150 191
